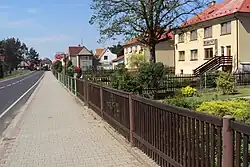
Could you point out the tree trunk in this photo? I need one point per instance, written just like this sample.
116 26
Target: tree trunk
152 54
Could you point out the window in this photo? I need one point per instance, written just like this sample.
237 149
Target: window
208 32
208 53
105 57
226 28
193 35
181 38
222 51
194 54
85 58
181 71
228 50
181 55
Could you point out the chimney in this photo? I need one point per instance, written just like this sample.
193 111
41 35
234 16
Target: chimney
212 3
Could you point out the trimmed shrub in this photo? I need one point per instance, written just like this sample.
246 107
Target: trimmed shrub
239 109
188 91
225 83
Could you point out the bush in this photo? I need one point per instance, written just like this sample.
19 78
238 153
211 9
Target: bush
121 80
239 109
151 76
184 102
188 91
225 83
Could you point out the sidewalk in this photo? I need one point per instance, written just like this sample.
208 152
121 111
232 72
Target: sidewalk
55 131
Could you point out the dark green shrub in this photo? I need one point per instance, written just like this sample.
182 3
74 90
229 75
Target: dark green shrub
121 80
226 83
189 103
151 77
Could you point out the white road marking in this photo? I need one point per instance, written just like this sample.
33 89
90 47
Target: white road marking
20 98
17 81
17 77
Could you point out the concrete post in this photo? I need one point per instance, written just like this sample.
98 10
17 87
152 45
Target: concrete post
228 142
74 79
131 120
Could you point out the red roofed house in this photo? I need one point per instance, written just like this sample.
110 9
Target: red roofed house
117 61
164 50
105 57
80 57
217 38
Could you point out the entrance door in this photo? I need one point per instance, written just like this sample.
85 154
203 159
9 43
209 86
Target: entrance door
228 50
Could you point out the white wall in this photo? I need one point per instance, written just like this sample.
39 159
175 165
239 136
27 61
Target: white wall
107 64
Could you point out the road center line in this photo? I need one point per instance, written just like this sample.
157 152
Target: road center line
20 98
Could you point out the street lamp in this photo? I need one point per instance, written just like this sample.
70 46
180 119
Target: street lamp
2 57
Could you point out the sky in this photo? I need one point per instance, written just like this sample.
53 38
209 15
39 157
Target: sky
49 26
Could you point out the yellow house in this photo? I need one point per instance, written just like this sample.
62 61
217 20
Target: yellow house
164 50
217 38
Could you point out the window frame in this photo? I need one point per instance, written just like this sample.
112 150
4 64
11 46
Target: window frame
183 59
228 30
205 51
194 58
205 34
104 57
195 36
181 38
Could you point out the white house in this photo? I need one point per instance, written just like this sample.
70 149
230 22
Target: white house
105 59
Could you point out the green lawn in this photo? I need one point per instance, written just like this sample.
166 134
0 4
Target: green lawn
215 95
16 74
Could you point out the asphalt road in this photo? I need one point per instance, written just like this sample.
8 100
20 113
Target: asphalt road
13 89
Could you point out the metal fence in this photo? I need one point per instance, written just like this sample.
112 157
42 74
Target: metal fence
171 136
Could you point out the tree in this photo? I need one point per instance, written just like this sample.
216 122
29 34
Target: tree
117 49
33 56
148 20
136 59
14 50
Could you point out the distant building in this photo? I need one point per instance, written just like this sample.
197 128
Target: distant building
80 57
105 57
164 50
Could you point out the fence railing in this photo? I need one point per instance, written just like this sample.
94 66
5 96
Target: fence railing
171 136
175 82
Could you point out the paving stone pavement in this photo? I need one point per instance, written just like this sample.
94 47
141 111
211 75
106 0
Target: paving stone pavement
56 131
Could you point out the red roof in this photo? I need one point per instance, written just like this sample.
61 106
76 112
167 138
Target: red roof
225 8
165 35
99 51
59 56
74 50
118 58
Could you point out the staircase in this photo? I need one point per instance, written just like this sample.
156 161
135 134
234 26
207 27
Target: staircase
214 64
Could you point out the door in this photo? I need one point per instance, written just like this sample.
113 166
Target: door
228 50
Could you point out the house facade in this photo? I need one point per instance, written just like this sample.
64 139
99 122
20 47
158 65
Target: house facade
118 60
80 57
164 51
217 38
105 59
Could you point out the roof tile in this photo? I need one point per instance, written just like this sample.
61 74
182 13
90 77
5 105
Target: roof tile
219 10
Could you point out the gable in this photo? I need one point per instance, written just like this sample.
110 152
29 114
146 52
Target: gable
85 51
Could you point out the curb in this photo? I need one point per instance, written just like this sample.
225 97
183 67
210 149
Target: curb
10 133
114 133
